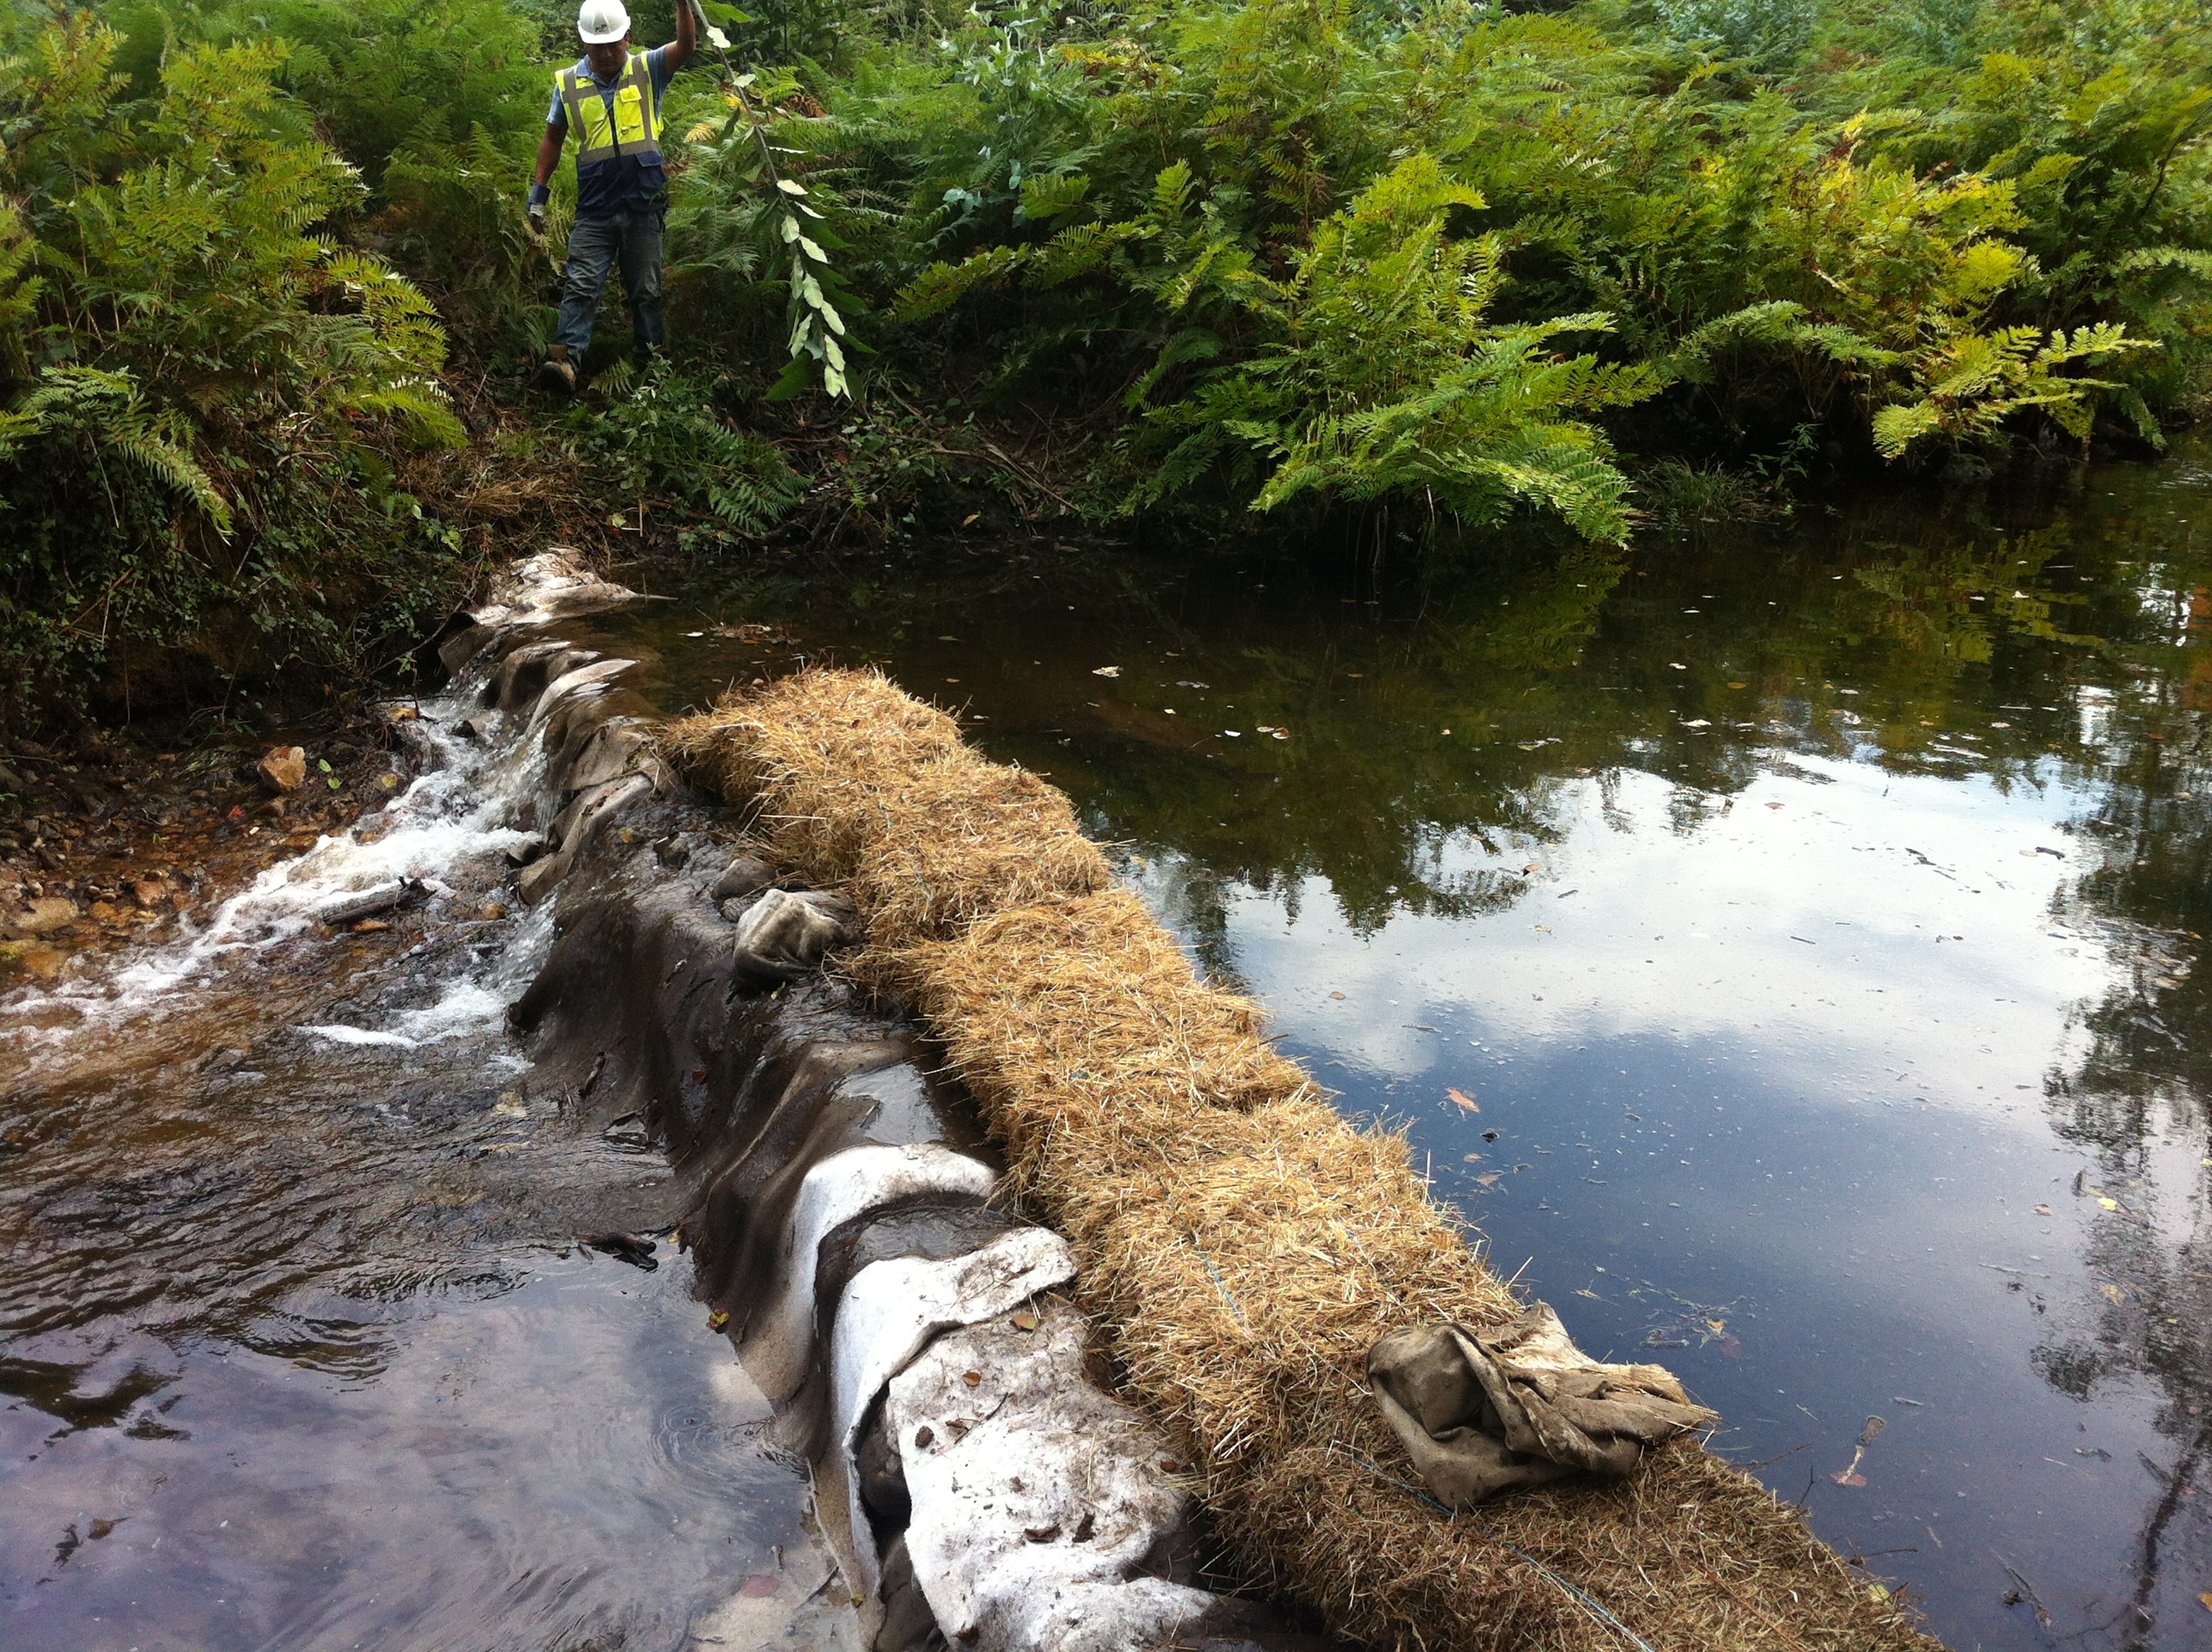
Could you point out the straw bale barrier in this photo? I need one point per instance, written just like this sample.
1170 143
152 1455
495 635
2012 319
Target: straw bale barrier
1242 1246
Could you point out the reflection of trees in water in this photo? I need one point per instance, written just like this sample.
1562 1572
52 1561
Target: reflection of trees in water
2135 1100
2109 692
1469 731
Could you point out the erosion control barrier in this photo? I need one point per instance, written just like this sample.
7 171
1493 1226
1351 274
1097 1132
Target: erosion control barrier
1236 1245
974 1482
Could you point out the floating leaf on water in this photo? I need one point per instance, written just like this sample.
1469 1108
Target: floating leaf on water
1739 685
1463 1100
1718 1325
1873 1429
1106 671
1487 1177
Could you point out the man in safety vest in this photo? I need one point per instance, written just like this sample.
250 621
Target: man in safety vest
611 100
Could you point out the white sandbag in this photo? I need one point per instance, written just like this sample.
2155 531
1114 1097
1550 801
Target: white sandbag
889 1312
1036 1498
783 935
780 1338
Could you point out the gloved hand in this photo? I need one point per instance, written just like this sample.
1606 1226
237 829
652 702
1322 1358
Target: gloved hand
539 196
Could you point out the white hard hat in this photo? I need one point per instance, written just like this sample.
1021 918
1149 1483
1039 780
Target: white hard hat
602 21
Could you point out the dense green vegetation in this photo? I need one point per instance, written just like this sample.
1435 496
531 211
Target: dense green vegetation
1194 260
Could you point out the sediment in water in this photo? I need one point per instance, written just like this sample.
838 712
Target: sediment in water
1240 1247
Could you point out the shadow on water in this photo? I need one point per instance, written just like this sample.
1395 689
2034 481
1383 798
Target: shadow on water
1787 940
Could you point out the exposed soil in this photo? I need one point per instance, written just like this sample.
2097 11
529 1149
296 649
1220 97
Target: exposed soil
108 840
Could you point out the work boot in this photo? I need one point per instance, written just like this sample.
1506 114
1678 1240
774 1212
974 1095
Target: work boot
557 375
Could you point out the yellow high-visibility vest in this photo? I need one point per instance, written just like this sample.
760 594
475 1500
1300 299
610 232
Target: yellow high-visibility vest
635 128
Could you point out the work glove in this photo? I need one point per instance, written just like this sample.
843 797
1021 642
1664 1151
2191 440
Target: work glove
540 195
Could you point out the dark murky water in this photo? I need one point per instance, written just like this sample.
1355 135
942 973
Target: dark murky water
1808 920
297 1349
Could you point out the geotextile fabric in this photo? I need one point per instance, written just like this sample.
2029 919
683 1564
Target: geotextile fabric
1242 1248
1484 1412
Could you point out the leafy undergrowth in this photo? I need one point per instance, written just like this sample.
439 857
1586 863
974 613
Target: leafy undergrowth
269 306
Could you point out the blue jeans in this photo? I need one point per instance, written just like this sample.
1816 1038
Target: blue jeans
596 245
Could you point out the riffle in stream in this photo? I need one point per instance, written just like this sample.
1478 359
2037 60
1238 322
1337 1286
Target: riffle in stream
299 1347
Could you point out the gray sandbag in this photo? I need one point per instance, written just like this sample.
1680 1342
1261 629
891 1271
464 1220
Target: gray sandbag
1483 1411
783 936
746 875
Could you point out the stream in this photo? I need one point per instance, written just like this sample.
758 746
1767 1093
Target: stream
299 1349
1781 944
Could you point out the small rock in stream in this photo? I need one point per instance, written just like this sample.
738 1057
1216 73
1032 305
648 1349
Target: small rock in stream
631 1247
630 1131
45 914
745 876
282 769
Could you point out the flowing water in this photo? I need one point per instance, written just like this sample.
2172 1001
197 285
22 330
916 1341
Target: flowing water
297 1347
1783 944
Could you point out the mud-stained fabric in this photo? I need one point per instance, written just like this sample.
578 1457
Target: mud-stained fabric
781 935
1484 1412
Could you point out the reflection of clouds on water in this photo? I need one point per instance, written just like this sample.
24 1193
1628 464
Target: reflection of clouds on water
1814 927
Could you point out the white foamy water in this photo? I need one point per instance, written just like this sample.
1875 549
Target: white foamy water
474 1006
457 817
